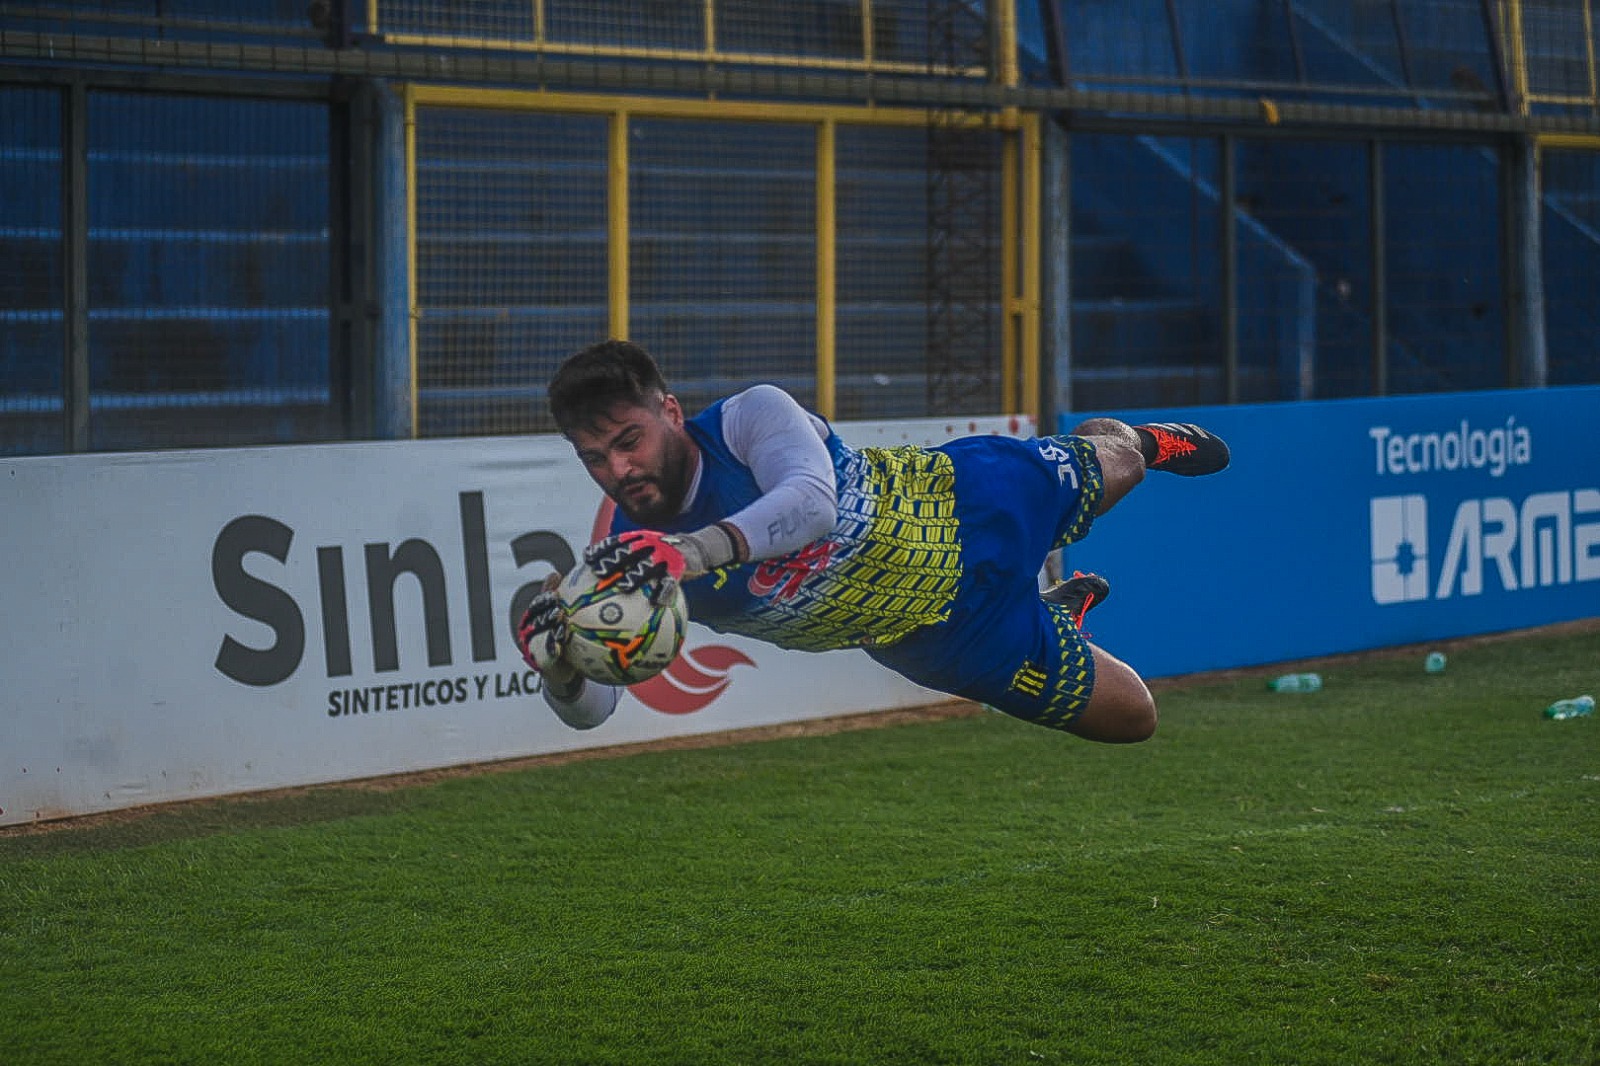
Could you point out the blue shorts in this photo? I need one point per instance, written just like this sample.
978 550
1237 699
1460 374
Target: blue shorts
1016 500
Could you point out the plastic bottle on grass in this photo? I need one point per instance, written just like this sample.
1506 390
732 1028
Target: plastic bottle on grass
1577 707
1434 663
1296 683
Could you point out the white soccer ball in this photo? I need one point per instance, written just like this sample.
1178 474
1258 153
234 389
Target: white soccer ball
622 638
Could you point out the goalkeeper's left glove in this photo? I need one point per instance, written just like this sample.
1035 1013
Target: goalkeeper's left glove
542 640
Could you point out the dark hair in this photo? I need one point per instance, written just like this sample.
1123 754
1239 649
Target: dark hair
596 379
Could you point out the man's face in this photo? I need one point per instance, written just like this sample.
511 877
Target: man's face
640 456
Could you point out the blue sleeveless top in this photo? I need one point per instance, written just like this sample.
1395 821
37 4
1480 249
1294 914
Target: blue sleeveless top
890 565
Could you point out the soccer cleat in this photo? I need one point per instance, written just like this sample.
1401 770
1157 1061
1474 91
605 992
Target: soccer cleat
1182 448
1077 594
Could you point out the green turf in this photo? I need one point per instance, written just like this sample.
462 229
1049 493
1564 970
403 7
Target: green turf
1402 868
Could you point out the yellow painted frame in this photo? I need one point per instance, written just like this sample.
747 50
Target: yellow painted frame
1580 141
1020 241
708 52
827 223
617 227
1031 249
674 107
1517 49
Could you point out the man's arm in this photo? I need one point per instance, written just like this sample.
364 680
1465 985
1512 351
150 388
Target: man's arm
541 638
782 444
581 703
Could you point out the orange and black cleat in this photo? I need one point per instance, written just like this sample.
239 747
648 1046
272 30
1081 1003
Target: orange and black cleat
1181 448
1077 594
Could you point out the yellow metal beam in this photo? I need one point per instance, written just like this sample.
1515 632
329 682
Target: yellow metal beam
1588 40
1581 141
670 107
698 55
1032 224
617 232
1517 48
1563 99
1006 15
827 252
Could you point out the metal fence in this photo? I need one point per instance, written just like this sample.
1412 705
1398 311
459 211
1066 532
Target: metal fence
876 35
1332 268
271 221
739 243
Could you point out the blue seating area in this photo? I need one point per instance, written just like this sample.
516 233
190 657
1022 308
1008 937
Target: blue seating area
1147 313
208 271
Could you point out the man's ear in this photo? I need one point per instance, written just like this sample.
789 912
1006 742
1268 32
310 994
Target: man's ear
673 410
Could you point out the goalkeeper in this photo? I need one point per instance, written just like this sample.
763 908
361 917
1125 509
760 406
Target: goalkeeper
925 558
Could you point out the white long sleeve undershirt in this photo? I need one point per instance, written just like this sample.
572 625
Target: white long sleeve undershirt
784 446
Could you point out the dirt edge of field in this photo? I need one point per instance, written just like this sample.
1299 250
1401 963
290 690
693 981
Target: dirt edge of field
755 734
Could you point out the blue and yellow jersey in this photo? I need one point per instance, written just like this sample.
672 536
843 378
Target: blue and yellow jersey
916 527
891 564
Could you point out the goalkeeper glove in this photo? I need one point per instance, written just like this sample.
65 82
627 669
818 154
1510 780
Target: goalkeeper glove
542 640
642 557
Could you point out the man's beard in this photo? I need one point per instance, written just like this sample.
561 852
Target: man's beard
652 515
671 484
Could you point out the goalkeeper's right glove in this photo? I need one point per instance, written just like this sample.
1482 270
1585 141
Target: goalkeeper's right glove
542 640
642 556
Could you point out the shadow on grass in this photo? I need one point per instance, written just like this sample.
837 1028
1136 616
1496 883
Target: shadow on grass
189 820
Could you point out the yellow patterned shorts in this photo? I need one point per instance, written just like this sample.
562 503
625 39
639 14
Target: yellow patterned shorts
1001 644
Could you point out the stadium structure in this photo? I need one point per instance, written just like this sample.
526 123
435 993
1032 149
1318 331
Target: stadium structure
282 285
262 222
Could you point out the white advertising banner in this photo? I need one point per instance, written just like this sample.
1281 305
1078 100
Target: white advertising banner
190 624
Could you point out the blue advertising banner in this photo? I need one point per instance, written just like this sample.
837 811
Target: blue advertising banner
1351 524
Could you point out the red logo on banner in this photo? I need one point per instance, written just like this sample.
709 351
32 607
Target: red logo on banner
696 677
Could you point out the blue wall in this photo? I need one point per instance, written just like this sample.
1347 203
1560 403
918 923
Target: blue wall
1351 524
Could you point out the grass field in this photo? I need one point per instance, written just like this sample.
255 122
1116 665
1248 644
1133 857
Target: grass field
1402 868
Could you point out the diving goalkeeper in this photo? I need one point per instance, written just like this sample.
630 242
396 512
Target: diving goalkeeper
925 558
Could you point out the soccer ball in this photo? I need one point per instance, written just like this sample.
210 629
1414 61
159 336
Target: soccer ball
622 638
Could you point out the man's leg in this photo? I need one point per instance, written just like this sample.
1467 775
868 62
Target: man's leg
1121 709
1126 452
1116 446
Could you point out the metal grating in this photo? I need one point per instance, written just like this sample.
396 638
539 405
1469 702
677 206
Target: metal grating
511 263
32 283
1445 296
208 272
723 254
1570 240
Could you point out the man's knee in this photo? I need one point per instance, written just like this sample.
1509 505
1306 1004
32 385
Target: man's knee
1106 427
1116 723
1116 448
1121 710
